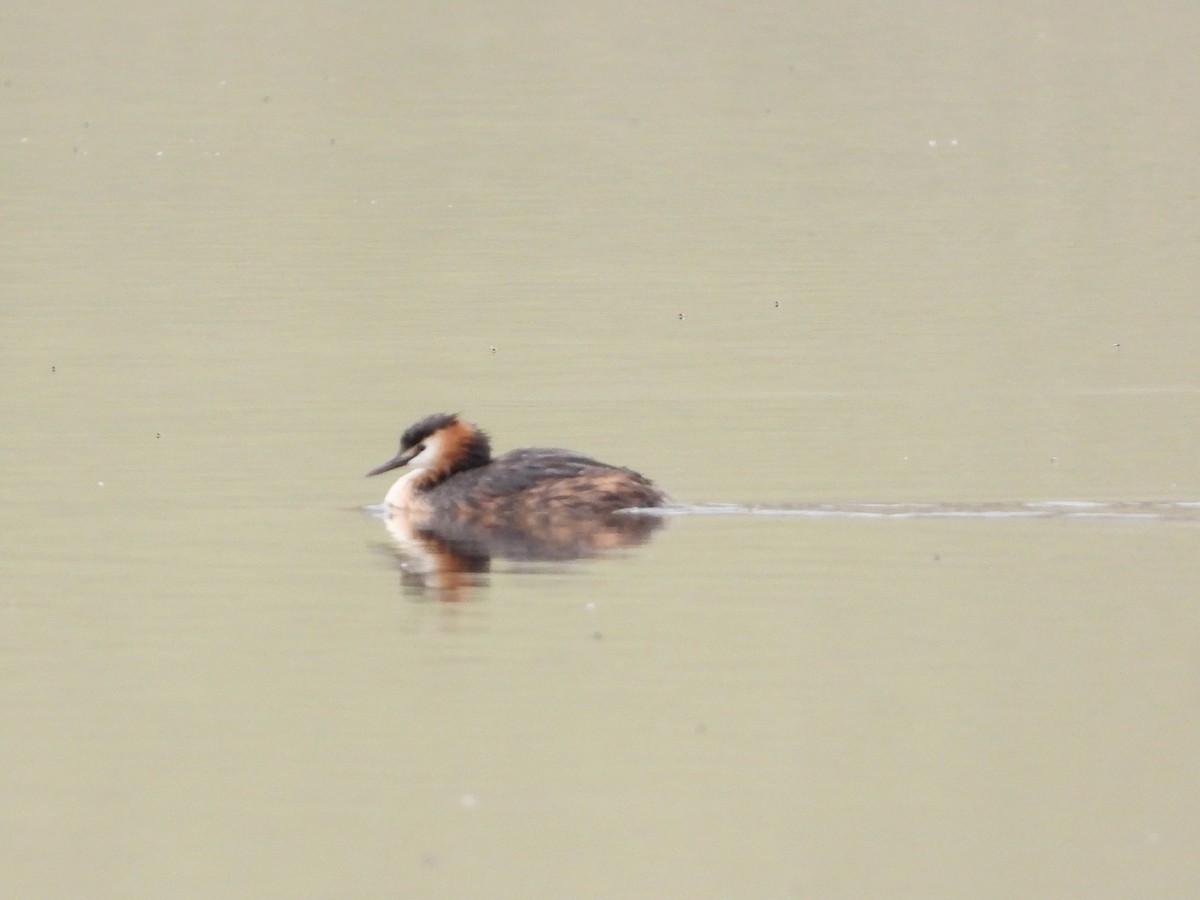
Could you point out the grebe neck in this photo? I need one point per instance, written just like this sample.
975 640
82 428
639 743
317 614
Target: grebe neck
462 446
457 447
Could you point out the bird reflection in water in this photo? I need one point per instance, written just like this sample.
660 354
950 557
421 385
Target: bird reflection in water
457 508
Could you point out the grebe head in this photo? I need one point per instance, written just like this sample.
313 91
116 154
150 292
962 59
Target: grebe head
443 443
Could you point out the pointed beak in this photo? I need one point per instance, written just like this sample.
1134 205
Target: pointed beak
400 459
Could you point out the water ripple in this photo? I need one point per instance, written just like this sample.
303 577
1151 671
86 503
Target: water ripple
1177 510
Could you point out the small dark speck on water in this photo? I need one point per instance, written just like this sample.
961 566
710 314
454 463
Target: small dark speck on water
158 434
701 728
267 98
777 304
493 348
53 368
681 317
597 636
937 557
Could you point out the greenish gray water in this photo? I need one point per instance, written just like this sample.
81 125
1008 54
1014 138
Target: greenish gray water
768 256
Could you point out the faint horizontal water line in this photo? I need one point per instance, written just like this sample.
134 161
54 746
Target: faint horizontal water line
1039 509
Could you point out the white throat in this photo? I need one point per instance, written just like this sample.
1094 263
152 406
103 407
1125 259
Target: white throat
400 494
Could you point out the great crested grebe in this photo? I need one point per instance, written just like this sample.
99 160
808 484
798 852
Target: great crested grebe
455 478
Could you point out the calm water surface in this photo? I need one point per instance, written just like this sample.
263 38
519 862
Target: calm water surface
828 261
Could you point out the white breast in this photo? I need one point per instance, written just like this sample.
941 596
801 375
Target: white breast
400 494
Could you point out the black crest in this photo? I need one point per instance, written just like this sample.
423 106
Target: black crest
423 429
